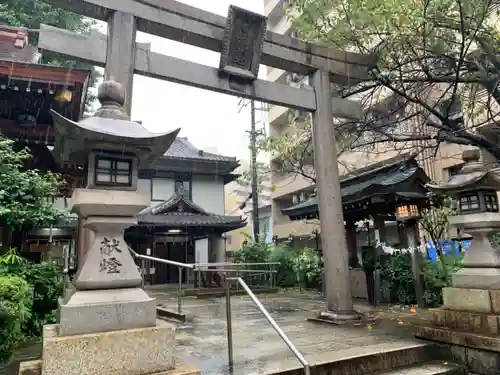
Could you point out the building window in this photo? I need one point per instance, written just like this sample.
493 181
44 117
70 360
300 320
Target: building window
491 203
110 171
469 203
183 188
228 240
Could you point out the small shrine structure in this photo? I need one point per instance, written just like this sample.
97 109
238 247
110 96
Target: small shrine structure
376 190
388 191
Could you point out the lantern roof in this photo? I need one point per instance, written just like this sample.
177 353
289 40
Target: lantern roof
473 176
108 130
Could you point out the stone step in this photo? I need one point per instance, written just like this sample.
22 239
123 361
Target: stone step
429 368
373 359
33 367
168 314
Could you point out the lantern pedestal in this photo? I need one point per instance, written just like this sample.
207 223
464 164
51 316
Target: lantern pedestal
108 283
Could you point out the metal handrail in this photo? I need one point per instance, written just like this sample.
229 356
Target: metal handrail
197 267
171 262
234 264
270 319
161 260
166 261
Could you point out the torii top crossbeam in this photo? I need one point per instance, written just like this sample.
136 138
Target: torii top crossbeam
183 23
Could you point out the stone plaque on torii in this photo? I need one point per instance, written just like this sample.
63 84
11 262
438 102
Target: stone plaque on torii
244 44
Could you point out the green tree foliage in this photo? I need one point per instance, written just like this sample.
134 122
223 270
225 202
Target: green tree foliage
26 196
434 56
31 13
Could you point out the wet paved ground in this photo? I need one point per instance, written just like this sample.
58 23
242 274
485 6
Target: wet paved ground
257 347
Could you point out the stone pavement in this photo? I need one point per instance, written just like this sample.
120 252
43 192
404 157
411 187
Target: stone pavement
258 348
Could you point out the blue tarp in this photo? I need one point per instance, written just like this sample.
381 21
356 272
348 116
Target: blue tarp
449 247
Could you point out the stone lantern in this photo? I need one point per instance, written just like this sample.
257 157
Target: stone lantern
108 324
468 319
474 189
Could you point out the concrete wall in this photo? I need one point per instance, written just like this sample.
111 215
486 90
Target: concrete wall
161 189
208 194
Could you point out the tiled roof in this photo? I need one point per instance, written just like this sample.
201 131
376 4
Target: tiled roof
179 211
183 149
183 219
390 175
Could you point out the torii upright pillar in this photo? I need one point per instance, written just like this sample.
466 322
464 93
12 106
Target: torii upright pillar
120 53
333 240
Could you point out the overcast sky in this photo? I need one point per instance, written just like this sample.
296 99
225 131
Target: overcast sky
209 120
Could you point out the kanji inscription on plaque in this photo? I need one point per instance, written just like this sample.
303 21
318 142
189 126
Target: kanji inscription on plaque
242 44
109 263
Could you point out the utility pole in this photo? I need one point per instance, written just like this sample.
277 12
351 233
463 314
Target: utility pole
254 171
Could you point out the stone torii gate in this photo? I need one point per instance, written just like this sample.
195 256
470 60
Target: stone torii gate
242 40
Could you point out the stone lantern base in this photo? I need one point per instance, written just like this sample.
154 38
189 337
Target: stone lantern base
469 322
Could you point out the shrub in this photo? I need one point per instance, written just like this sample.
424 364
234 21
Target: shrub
396 278
309 267
45 281
253 252
15 304
294 267
286 275
437 275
